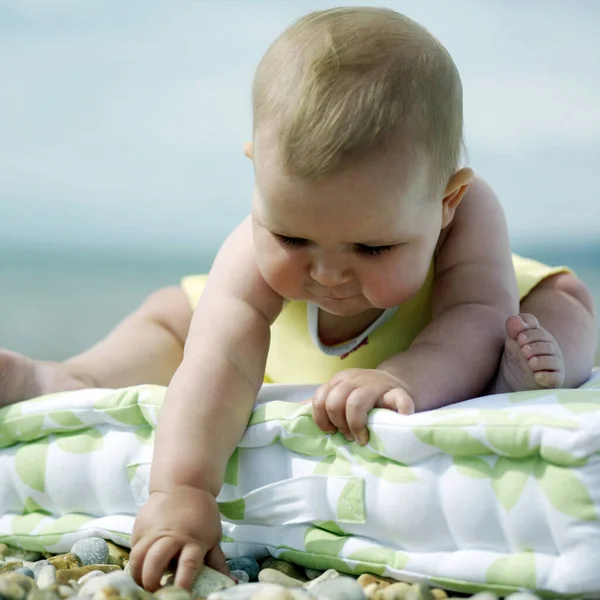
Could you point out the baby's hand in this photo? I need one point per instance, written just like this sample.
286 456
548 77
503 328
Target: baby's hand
184 523
344 402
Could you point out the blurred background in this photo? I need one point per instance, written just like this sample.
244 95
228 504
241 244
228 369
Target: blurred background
122 125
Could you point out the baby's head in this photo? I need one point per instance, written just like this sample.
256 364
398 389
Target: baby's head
357 143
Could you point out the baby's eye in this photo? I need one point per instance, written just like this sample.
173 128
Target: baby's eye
372 250
291 241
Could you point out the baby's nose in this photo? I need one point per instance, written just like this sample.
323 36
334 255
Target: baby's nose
328 274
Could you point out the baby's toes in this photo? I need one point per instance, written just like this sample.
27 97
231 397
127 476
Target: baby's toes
545 363
534 335
532 349
549 379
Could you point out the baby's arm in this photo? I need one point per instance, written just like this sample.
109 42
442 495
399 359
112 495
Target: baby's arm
205 413
475 290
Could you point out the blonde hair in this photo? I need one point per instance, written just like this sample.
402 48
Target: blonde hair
341 83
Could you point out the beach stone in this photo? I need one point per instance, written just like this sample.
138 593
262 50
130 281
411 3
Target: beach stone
66 575
45 576
208 581
65 561
243 591
3 550
312 573
419 592
439 594
522 596
39 565
89 576
117 554
392 591
325 576
245 563
283 567
241 576
26 571
277 577
66 591
9 567
20 554
10 590
171 592
273 592
109 585
91 551
372 591
339 588
43 595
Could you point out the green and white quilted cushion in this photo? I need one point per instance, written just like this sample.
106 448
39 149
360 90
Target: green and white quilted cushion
498 493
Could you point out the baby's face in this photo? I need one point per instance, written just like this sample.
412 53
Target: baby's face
357 239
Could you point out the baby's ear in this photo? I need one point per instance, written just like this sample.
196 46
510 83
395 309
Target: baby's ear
455 190
249 150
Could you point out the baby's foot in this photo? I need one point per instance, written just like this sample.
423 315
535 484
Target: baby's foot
531 360
22 378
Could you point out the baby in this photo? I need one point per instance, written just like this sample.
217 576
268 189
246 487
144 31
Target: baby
372 263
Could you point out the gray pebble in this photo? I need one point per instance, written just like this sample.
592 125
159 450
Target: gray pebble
484 596
325 576
244 563
209 581
26 571
522 596
43 595
46 576
91 551
241 576
340 588
66 591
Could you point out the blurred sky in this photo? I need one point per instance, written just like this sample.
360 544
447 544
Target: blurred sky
122 123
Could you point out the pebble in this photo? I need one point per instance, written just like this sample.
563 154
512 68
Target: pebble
118 580
65 575
439 594
3 550
91 551
325 576
245 563
117 554
312 573
241 576
65 561
522 596
339 588
243 591
392 591
20 554
283 567
26 571
278 577
372 591
273 592
89 576
43 595
419 592
8 567
45 577
209 581
39 565
171 592
484 596
66 591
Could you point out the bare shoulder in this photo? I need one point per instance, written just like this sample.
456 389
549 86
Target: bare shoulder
474 253
235 275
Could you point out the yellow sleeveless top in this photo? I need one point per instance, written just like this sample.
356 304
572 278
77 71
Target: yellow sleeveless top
295 358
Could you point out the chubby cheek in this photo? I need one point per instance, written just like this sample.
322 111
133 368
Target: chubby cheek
389 287
282 269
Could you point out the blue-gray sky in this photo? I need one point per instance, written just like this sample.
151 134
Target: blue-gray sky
122 123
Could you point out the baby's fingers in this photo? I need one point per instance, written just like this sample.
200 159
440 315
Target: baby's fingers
188 565
358 405
399 400
216 559
156 561
319 409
